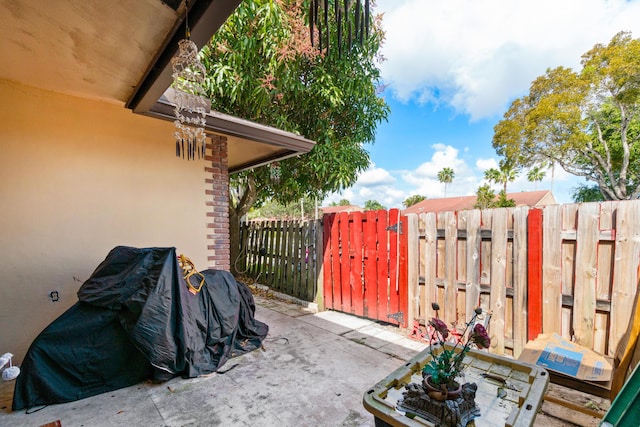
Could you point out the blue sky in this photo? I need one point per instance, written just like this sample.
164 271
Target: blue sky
451 70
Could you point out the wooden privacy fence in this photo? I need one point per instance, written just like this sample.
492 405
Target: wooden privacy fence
569 269
283 255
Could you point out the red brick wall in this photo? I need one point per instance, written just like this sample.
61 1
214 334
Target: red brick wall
217 180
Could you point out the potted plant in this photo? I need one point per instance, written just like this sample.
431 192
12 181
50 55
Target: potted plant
440 373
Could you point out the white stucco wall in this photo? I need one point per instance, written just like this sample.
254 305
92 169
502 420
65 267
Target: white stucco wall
77 178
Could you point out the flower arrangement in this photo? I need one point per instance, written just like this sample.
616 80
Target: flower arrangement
445 366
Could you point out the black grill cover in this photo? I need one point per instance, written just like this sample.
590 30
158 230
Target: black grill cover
135 320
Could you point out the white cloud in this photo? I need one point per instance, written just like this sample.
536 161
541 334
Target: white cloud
374 177
478 56
391 188
484 164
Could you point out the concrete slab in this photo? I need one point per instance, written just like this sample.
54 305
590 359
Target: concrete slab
311 372
336 322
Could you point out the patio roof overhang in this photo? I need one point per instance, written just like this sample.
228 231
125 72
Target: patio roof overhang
120 51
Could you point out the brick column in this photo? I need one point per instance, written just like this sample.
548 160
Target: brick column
217 180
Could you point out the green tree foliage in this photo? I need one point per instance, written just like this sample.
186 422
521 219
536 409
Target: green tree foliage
486 198
587 193
412 200
536 174
271 209
505 174
261 67
588 122
446 176
503 201
373 205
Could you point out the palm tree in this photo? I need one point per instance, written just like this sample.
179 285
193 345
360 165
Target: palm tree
535 175
506 173
446 176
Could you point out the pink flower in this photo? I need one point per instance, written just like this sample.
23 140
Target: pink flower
480 336
440 327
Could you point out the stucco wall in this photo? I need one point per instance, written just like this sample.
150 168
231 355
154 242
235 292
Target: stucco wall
79 177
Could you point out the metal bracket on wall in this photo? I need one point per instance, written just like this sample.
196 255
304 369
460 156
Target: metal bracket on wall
398 317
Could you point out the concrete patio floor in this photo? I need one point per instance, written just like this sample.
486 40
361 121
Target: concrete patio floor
313 371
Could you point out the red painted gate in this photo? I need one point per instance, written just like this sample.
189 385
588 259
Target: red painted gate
365 273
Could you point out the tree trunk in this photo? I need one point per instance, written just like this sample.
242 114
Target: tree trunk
237 249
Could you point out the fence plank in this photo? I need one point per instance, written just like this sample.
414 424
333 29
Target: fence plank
498 279
304 260
604 277
336 274
568 266
584 295
277 264
450 286
534 274
461 273
345 289
394 260
270 255
320 265
327 267
551 272
473 221
299 260
355 258
370 266
382 259
519 311
260 249
288 239
413 286
625 273
310 260
430 267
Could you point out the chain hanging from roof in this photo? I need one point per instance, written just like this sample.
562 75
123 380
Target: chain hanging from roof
352 23
191 105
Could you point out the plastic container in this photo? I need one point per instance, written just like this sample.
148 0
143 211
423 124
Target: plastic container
509 393
625 409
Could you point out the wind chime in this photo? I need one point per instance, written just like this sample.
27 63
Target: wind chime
352 23
191 106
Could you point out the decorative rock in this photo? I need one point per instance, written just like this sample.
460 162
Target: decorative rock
449 413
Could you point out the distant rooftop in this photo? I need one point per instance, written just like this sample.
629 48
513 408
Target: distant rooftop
523 198
336 209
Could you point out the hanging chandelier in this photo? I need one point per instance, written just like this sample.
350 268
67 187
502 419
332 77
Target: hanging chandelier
190 104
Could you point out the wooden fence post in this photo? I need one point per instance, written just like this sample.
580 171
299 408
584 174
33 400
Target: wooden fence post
552 272
395 241
430 266
625 270
449 305
534 274
498 296
519 306
412 262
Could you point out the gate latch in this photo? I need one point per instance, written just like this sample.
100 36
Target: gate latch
394 228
